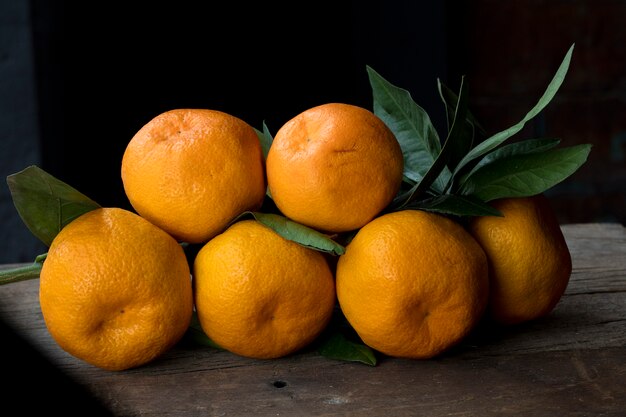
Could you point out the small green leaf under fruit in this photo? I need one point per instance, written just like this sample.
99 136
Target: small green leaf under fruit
338 347
196 335
46 204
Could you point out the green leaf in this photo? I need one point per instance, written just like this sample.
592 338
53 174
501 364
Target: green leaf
455 205
437 168
495 140
265 138
338 347
266 143
410 124
46 204
450 99
518 148
525 174
298 233
470 132
196 334
463 139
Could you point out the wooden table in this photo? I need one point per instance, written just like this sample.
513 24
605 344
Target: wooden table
571 363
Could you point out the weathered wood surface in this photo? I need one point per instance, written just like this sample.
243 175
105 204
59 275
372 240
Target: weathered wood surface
571 363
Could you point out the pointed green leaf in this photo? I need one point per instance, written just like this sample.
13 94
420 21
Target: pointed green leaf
455 205
525 174
298 233
46 204
472 132
495 140
338 347
464 137
437 168
410 123
518 148
450 99
265 138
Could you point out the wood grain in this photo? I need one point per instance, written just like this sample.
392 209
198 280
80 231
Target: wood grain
572 362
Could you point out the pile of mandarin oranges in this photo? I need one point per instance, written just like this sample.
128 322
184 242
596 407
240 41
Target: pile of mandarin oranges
360 232
118 288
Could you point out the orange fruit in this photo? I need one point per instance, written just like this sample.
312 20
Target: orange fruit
529 261
115 290
412 284
191 171
334 167
259 295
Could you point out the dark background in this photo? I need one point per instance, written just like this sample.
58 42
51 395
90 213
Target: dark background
92 73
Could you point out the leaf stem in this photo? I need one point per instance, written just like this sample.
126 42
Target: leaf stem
22 273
